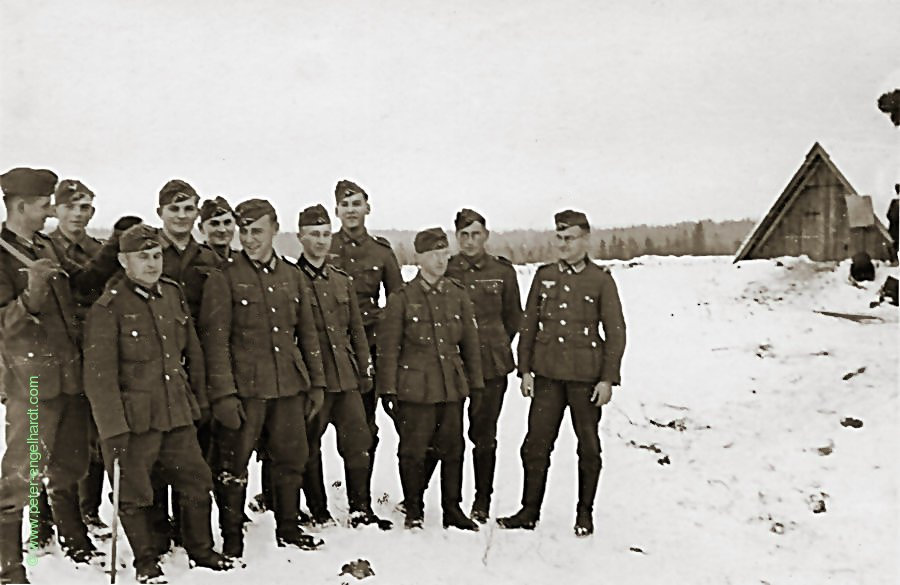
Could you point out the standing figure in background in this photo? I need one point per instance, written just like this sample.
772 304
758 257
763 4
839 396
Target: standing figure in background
217 223
565 362
371 263
430 361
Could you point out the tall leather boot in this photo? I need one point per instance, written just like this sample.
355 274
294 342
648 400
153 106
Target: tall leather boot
532 498
412 480
587 492
287 529
428 469
314 491
45 519
268 488
137 526
451 496
70 527
158 516
360 500
90 494
11 568
230 498
485 460
197 535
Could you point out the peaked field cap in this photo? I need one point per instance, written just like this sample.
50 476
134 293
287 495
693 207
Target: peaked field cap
176 191
569 218
431 239
252 209
214 208
138 238
314 215
27 182
70 190
345 188
466 217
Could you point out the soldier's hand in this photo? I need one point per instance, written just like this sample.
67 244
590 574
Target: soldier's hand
602 393
229 411
365 385
118 444
314 402
39 274
391 405
527 385
476 399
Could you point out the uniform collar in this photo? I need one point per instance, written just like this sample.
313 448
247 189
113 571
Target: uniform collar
142 291
271 264
12 237
224 252
167 242
478 263
574 268
358 241
436 287
62 239
312 271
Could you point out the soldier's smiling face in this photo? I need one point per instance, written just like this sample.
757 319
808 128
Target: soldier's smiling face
316 241
434 263
144 266
256 238
178 218
572 243
352 211
34 211
472 238
74 216
219 230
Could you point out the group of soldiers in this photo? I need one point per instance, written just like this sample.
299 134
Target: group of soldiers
173 361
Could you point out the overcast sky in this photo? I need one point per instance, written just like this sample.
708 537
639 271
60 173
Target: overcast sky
635 111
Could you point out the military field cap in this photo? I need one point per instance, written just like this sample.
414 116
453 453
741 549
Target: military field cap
139 237
70 190
176 191
252 209
214 208
25 182
346 188
315 215
568 218
466 217
431 239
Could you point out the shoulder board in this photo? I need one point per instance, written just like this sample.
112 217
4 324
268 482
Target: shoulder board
383 241
111 290
338 270
547 266
456 282
503 260
42 236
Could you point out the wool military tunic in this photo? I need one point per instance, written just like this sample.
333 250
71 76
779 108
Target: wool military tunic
345 351
560 336
428 347
251 320
493 288
80 253
144 367
369 260
189 268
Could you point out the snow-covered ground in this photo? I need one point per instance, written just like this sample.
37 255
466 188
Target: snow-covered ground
725 456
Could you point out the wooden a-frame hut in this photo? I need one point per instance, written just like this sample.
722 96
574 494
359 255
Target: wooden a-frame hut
818 214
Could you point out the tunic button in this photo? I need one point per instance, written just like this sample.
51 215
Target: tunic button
276 349
561 340
593 344
166 376
163 336
266 270
566 288
563 305
415 319
273 309
244 302
562 322
167 355
275 329
30 354
134 333
270 289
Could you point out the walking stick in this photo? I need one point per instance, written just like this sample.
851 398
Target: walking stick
115 519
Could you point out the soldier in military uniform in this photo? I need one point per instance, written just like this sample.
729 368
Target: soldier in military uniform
429 362
217 223
259 379
370 262
40 336
348 371
188 263
74 205
145 378
494 290
564 361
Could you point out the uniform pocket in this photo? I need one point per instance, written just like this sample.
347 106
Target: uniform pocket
411 384
136 343
418 325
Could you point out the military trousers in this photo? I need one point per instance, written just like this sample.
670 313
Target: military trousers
551 397
60 450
